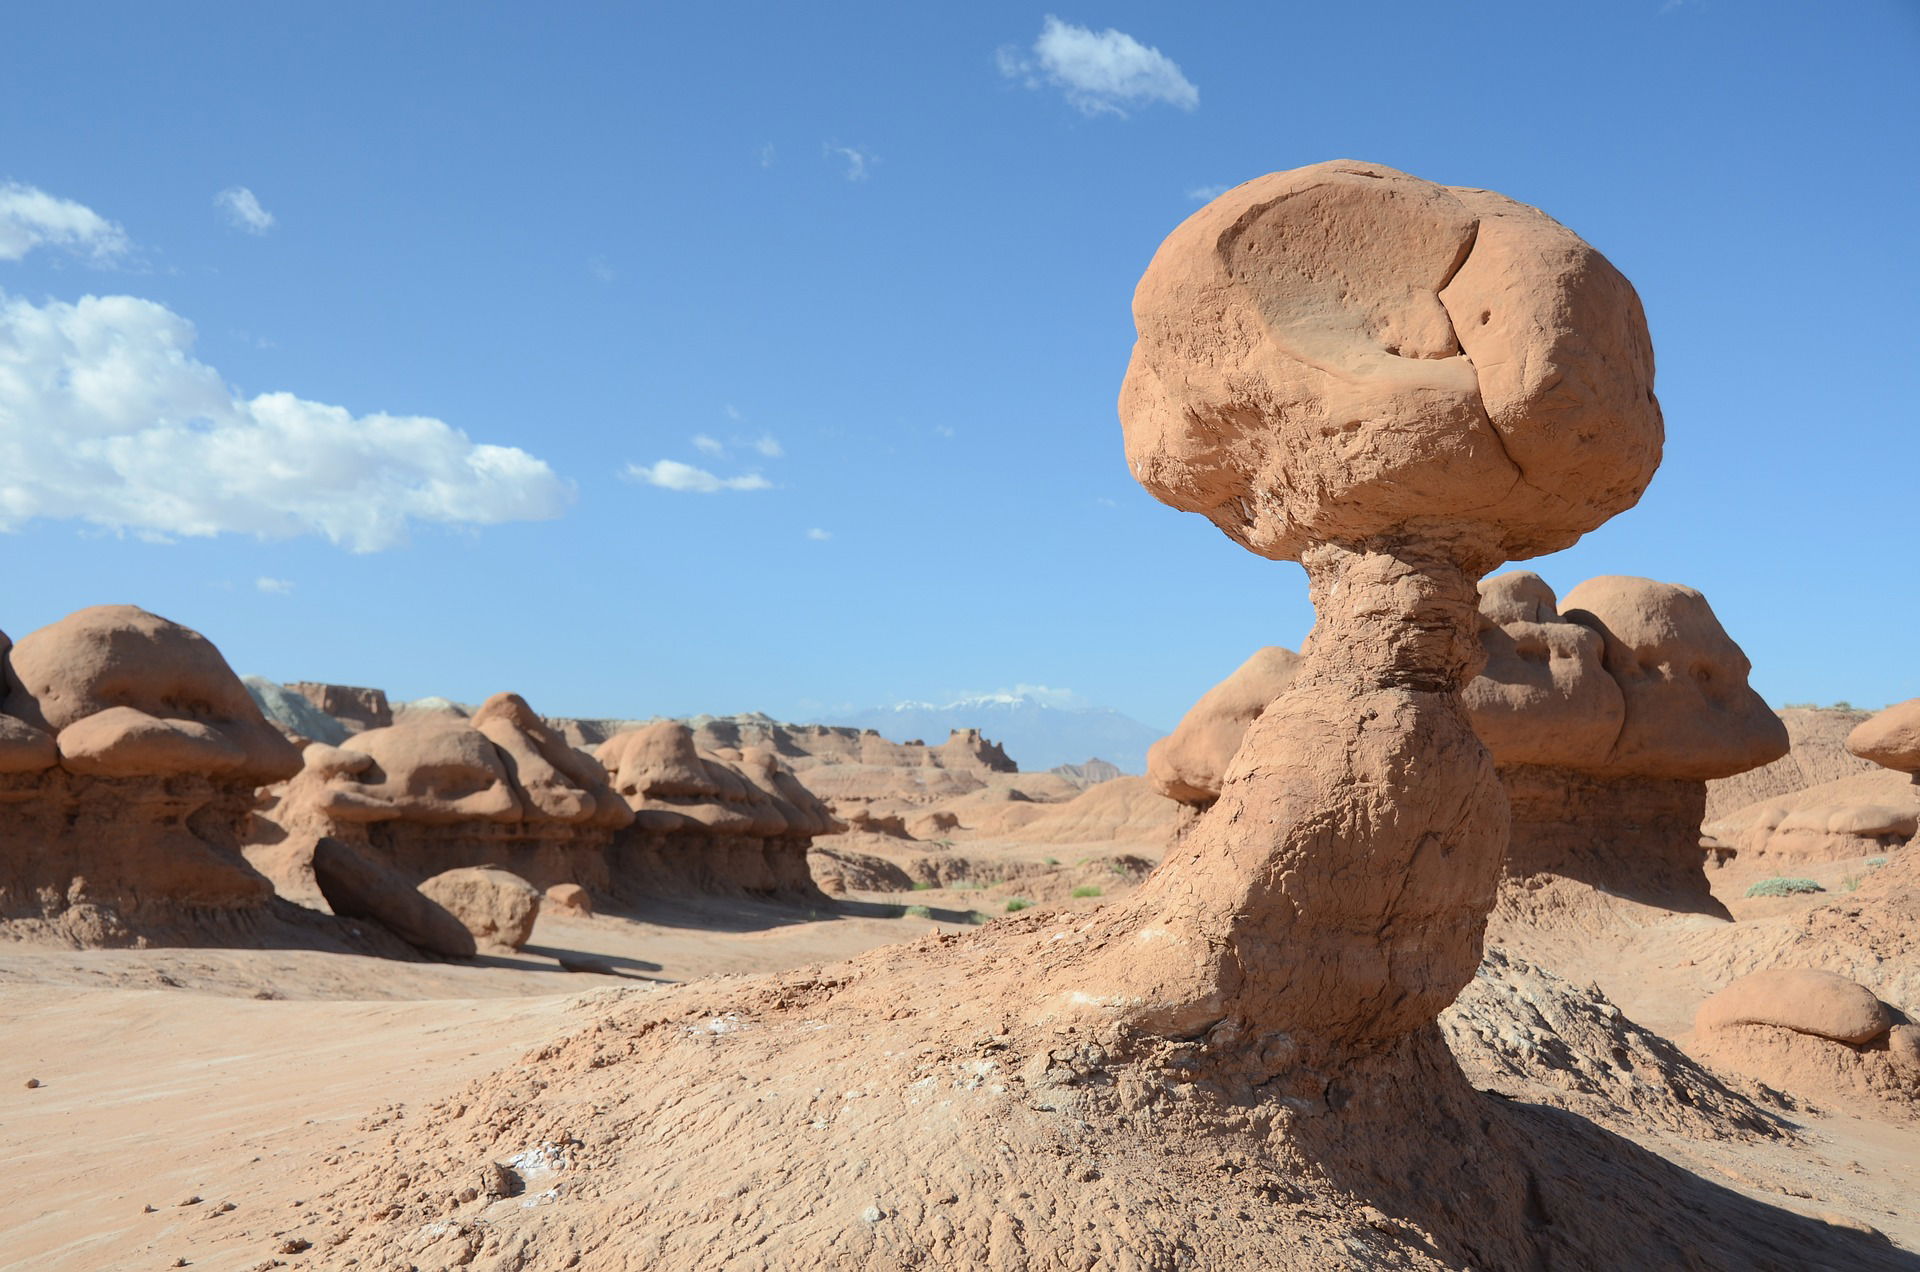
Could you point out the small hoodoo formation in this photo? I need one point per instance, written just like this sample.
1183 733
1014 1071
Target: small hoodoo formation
129 757
1891 739
438 791
1813 1033
707 824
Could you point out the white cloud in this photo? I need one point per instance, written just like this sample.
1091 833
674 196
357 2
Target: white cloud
857 160
818 535
1208 193
709 445
243 210
1100 72
601 271
944 430
107 418
765 154
31 218
273 587
768 446
671 474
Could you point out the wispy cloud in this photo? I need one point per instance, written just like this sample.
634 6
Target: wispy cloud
818 535
273 587
768 446
601 271
243 210
765 154
30 218
1208 193
856 159
1100 72
709 445
107 418
671 474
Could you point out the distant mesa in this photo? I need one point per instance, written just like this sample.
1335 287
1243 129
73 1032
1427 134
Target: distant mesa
1036 733
357 708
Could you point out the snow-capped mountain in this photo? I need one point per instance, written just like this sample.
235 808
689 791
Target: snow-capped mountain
1038 734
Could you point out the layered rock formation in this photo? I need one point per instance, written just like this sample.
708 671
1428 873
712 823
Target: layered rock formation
439 791
1607 717
129 756
703 823
1605 723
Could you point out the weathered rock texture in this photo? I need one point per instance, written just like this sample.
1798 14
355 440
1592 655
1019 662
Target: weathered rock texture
129 754
1817 753
1891 739
1188 763
497 907
440 791
1399 384
1864 815
702 823
1577 711
293 714
1814 1033
355 707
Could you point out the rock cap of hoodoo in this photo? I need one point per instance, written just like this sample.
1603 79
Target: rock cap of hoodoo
1689 710
126 693
1186 765
1544 696
1477 378
1890 739
1802 999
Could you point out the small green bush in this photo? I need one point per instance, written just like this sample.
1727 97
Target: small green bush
918 912
1087 890
1049 861
967 885
1783 887
1018 904
922 885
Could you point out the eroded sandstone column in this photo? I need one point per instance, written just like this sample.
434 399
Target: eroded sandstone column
1399 385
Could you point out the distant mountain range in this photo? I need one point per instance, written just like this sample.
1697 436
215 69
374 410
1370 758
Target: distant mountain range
1036 734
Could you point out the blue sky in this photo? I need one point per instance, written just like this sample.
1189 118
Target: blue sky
401 312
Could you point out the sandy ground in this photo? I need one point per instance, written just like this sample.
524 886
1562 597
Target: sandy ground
191 1081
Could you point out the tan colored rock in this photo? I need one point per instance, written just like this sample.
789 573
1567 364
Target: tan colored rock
1188 763
129 754
498 907
1816 738
1800 998
356 707
569 899
1689 710
120 658
438 791
357 886
1296 391
1891 739
1543 696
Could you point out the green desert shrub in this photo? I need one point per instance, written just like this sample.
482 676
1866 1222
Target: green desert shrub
1086 890
1018 904
918 912
924 885
1783 887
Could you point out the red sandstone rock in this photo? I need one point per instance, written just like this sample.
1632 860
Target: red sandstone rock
496 906
1891 739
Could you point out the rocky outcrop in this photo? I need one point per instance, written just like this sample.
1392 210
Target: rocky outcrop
129 755
704 823
1604 722
1891 739
356 885
496 907
439 791
355 707
293 714
1813 1033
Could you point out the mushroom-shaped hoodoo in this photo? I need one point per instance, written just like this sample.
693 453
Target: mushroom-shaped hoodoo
1399 385
129 755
